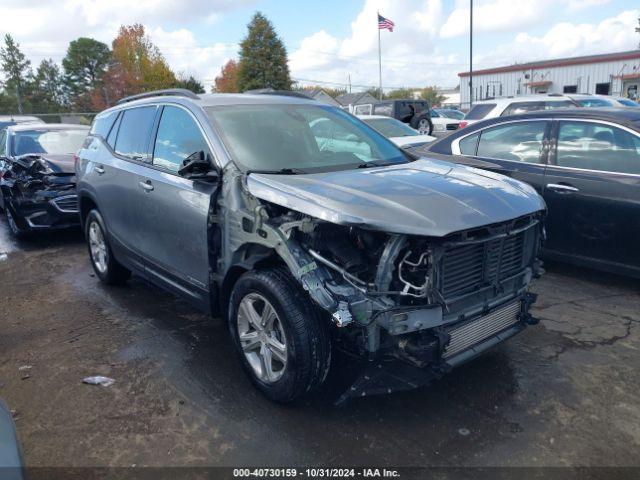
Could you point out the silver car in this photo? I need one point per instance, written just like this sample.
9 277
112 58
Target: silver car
305 243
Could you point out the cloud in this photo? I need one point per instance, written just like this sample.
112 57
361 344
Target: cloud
565 39
410 55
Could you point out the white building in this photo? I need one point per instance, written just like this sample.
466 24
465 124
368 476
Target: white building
607 74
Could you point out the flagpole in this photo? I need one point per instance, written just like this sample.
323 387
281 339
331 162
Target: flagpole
379 57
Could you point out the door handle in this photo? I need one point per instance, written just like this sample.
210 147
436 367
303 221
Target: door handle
562 188
147 186
99 169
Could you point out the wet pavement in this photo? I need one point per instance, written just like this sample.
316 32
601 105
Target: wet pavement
563 393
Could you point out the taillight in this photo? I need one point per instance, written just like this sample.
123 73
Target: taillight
463 124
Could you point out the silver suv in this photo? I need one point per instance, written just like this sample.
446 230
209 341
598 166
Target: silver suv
306 241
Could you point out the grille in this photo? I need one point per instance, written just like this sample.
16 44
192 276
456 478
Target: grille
67 204
452 126
471 333
466 268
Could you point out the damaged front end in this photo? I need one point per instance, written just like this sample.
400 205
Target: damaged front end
413 306
39 191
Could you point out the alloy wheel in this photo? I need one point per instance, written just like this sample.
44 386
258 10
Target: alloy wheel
98 247
262 337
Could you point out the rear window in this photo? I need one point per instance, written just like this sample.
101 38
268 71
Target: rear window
133 135
478 112
102 124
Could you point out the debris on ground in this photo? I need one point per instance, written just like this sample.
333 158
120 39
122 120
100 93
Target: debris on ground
464 431
3 256
25 376
25 367
99 380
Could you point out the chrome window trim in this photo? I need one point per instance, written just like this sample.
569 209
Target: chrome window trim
455 145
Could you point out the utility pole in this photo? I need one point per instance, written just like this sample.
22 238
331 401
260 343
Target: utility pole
470 53
379 61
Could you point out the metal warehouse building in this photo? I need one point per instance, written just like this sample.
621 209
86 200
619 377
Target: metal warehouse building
608 74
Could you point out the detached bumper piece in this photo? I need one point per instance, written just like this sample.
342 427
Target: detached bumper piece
460 343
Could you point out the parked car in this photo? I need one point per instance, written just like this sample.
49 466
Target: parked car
9 120
233 202
37 182
447 113
586 165
588 100
503 107
399 133
415 113
11 463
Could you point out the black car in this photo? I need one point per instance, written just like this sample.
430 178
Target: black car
37 179
416 113
586 165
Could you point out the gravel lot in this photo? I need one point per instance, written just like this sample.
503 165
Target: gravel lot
563 393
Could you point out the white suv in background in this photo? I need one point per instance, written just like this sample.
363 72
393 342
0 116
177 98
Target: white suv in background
501 107
594 100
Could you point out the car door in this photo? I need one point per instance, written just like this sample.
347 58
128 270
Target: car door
519 147
114 177
3 161
175 210
593 194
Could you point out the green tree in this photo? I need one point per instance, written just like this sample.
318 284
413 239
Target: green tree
47 88
16 68
375 93
332 92
431 95
400 93
263 58
84 67
190 83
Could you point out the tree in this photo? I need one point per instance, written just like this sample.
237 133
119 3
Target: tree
84 66
47 89
431 95
332 92
17 69
263 58
227 81
137 66
400 93
375 93
190 83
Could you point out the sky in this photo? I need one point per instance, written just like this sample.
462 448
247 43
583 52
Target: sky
332 42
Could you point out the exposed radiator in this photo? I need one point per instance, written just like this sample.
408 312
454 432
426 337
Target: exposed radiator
475 331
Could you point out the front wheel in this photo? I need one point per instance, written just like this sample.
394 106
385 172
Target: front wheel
107 268
423 124
283 344
14 228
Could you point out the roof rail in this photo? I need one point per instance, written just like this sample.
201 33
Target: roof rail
175 92
284 93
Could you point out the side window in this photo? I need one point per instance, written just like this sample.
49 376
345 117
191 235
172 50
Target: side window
383 109
178 137
469 145
102 124
519 141
133 135
596 146
113 134
517 108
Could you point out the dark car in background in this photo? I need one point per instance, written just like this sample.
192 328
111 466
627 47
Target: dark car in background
416 113
37 179
586 165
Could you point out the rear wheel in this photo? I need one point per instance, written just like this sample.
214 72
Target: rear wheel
104 264
283 344
422 123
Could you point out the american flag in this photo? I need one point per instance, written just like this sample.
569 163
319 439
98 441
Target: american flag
385 23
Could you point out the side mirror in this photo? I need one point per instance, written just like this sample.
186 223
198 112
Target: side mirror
198 167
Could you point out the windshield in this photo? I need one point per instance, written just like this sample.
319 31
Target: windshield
456 114
300 138
390 127
56 142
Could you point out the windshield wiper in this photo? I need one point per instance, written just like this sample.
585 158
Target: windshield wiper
282 171
375 164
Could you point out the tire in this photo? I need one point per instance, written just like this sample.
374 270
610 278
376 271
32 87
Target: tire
297 325
104 264
14 228
422 122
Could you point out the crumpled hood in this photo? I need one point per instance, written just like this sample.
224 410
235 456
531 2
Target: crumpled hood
425 197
